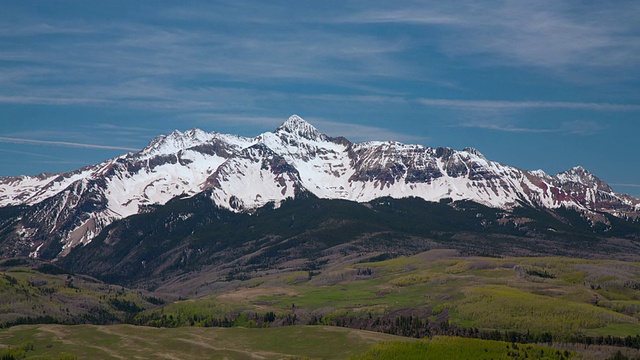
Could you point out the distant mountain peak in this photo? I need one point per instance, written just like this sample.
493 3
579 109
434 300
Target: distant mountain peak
177 141
195 134
541 174
295 119
580 175
296 125
577 172
474 151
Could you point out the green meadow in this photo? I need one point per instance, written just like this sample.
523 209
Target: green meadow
137 342
557 295
291 342
458 348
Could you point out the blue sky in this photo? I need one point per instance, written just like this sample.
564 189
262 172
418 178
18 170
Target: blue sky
534 84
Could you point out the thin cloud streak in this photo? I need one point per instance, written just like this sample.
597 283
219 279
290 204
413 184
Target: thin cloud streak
167 58
27 153
63 143
546 34
582 127
504 127
269 123
142 65
114 127
575 127
627 185
356 132
504 104
50 100
415 16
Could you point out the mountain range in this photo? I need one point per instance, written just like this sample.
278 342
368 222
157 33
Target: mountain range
48 215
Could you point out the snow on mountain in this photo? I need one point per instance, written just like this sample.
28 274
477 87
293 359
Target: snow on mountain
580 175
253 178
33 189
242 174
323 164
540 174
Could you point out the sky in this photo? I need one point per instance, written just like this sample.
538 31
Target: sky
533 84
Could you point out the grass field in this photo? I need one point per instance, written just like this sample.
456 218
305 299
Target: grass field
292 342
557 295
458 348
134 342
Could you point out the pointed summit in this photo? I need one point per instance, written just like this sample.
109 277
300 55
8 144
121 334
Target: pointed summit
296 125
295 120
576 173
176 141
475 152
580 175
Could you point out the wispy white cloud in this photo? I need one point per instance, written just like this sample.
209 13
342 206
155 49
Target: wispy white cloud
377 99
65 162
63 143
441 14
574 127
505 126
626 185
507 105
165 65
217 120
28 153
32 29
143 66
582 127
120 128
181 58
546 34
490 115
358 132
50 100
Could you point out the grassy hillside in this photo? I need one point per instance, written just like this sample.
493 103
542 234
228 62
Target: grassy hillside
192 235
39 292
559 296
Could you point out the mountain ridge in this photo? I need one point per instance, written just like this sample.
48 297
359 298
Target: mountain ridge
243 174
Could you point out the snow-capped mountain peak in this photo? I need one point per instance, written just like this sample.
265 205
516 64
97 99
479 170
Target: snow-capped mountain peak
475 152
242 174
297 126
176 141
541 174
580 175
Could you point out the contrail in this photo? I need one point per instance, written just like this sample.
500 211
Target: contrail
63 143
627 185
